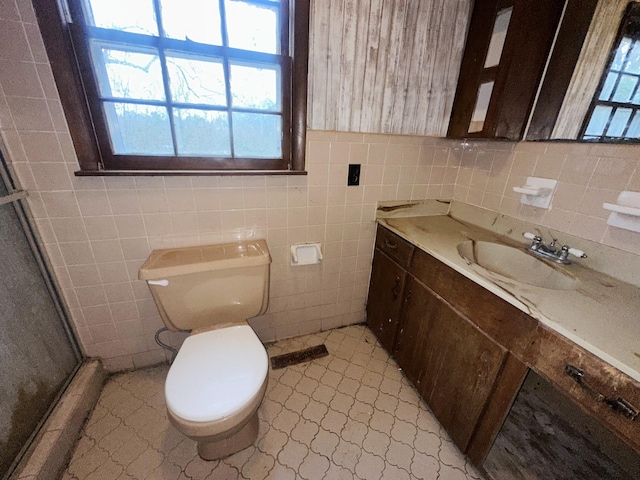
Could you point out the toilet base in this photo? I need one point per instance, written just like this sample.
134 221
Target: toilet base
243 438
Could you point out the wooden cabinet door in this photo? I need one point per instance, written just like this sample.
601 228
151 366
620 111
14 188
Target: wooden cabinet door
460 365
385 298
418 313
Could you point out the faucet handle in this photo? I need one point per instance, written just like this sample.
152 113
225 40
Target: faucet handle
531 236
566 250
577 253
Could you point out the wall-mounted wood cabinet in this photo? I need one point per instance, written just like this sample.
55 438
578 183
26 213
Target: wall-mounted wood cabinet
518 61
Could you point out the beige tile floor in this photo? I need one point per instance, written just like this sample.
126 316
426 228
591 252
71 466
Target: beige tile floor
351 415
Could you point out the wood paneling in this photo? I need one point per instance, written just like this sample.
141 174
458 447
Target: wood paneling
385 66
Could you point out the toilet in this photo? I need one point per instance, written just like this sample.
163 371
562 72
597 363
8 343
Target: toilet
218 379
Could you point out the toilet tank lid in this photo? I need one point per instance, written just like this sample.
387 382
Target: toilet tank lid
170 262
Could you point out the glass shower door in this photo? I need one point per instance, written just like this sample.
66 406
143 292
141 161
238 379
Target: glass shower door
37 354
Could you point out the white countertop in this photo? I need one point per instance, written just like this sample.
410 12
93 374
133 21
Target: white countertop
601 315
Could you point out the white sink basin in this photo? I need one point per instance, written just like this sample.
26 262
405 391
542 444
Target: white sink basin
516 264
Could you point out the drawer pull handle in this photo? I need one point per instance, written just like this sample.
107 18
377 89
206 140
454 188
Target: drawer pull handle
578 375
619 405
389 245
395 291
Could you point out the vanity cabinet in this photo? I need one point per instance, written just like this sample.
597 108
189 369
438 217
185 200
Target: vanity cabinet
451 361
468 352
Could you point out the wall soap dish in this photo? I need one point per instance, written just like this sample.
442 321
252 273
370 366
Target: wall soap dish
537 192
625 213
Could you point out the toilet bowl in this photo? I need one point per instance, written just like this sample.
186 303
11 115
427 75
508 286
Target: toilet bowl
219 376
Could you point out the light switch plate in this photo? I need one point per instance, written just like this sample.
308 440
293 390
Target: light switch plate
353 178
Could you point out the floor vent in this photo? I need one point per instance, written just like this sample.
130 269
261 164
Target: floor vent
301 356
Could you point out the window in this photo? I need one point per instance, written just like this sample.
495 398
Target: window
614 113
195 85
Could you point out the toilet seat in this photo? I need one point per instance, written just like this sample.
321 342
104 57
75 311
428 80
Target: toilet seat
216 373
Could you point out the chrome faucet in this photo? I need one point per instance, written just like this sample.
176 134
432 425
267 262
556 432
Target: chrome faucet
550 251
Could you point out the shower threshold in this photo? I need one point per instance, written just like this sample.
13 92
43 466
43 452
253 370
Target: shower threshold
52 447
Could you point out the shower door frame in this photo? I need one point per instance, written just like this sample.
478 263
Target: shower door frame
17 197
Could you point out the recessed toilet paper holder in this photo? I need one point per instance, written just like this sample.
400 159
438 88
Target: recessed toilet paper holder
306 254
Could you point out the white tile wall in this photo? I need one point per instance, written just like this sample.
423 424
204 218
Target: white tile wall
98 230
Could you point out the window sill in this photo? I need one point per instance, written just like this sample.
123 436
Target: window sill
149 173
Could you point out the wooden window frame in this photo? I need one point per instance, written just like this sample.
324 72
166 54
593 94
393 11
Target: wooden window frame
69 58
631 12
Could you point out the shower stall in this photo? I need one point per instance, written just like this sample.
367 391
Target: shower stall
38 352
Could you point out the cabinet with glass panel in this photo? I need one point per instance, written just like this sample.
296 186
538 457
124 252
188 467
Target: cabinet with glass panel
517 66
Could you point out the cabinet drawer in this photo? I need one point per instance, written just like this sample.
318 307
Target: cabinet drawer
397 248
550 354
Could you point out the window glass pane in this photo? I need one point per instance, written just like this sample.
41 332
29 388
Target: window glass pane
619 122
598 121
498 37
257 135
136 16
252 27
196 20
132 75
139 129
634 128
607 88
256 86
633 60
201 132
196 81
621 53
625 88
482 105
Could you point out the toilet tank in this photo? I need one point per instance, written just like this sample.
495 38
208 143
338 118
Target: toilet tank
197 287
